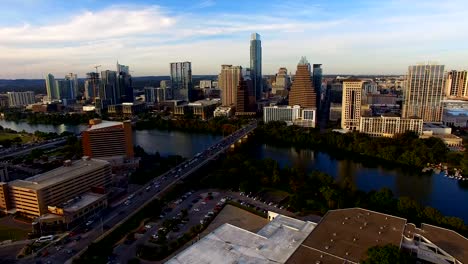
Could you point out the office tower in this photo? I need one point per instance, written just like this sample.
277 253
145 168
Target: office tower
256 64
124 83
52 93
92 85
317 81
424 92
109 89
165 84
456 84
228 80
154 95
245 101
18 99
108 139
282 81
73 84
181 80
351 104
35 195
302 92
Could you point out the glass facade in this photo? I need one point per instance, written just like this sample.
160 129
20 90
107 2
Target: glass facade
181 80
256 64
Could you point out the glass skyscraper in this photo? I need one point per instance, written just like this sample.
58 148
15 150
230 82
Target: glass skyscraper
256 64
181 80
317 81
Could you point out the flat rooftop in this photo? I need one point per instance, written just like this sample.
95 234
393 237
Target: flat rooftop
274 243
83 201
348 233
105 124
434 125
450 241
61 174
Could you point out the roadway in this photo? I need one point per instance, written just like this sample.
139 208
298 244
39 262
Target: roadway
28 150
137 200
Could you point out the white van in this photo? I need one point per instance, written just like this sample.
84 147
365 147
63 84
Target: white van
43 239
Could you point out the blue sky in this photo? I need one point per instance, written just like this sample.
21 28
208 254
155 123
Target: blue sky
347 37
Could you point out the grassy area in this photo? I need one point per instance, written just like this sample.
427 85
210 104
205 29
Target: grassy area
7 233
24 137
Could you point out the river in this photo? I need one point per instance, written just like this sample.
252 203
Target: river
435 190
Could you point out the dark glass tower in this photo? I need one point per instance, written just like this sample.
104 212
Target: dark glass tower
181 80
256 64
317 81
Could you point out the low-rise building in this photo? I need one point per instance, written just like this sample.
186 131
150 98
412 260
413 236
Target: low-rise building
223 111
388 126
290 114
203 109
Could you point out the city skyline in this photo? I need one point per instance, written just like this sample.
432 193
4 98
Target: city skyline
38 37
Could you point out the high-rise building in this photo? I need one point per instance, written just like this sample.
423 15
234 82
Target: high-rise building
205 84
228 80
302 92
456 84
109 88
317 81
154 95
91 85
282 81
72 78
106 139
124 83
52 92
245 101
424 92
351 104
18 99
181 80
256 64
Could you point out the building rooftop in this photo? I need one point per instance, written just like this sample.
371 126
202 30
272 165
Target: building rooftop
104 124
60 174
205 102
310 255
274 243
348 233
450 241
435 125
82 201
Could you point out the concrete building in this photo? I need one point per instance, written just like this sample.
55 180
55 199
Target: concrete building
302 91
282 81
456 84
52 92
371 87
126 109
181 80
335 112
388 126
19 99
223 111
256 64
352 100
203 109
317 82
308 118
381 99
274 243
154 95
228 81
444 133
33 195
106 139
205 84
281 113
424 92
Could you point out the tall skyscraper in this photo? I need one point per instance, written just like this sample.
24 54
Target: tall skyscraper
72 78
424 92
317 81
52 93
124 83
282 81
109 89
228 80
154 95
245 101
18 99
351 109
456 84
302 92
256 64
181 80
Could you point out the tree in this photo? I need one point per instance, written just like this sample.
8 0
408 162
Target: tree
388 254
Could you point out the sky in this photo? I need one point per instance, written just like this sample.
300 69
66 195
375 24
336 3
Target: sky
348 37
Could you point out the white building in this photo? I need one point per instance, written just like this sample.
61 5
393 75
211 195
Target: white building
305 117
225 111
388 126
18 99
274 243
371 88
205 84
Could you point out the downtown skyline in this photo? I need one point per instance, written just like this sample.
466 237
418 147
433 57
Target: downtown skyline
38 37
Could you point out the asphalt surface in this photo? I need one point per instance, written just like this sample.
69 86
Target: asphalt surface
139 200
28 150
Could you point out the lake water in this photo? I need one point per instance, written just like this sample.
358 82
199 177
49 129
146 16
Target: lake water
437 191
